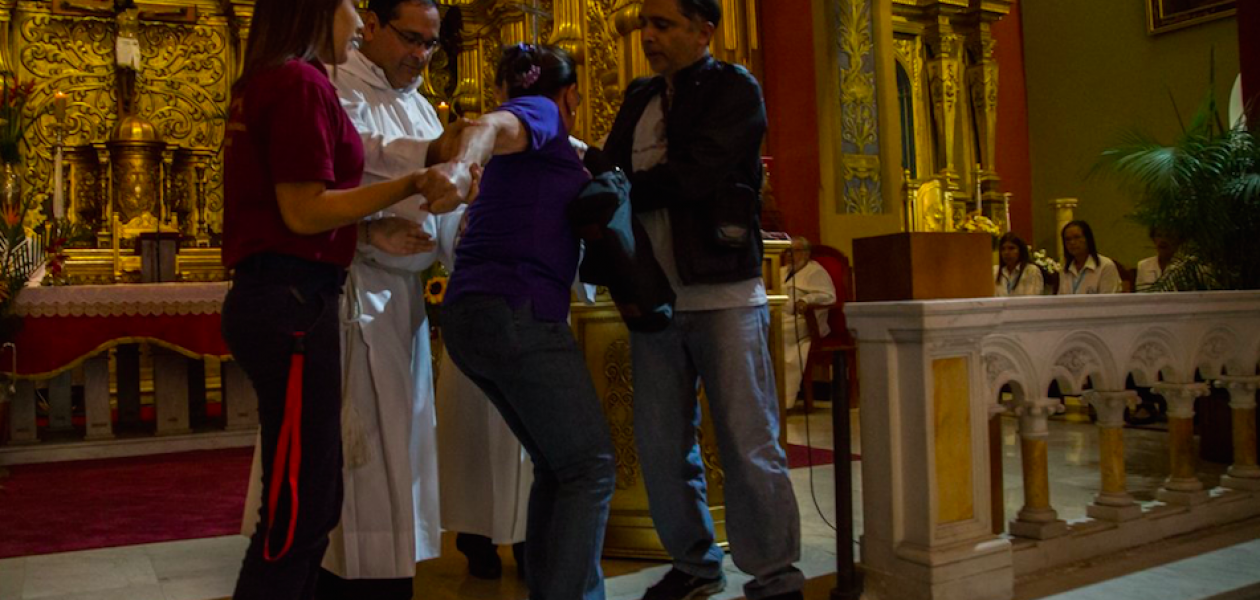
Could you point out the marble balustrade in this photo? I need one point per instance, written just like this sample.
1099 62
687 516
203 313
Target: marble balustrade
932 373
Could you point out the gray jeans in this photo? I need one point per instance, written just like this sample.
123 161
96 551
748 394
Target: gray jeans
728 350
535 375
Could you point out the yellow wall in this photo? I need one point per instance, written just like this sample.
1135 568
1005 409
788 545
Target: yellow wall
1093 73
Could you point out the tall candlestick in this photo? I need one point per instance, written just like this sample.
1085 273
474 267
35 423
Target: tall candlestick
979 192
59 208
444 113
59 107
1006 208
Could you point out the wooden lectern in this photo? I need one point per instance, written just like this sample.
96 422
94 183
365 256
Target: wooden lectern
923 266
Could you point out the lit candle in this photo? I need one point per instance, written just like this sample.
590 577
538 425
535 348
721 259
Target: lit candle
59 106
444 113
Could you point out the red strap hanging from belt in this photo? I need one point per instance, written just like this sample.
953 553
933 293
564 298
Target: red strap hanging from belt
288 450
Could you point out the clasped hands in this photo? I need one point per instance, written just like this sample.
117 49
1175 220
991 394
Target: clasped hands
444 187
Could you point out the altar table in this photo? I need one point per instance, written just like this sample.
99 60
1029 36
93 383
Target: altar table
68 326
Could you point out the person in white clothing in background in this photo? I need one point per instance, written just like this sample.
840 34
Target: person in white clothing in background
1149 270
805 282
1015 274
1085 271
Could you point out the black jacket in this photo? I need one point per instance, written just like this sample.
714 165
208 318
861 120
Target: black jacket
711 180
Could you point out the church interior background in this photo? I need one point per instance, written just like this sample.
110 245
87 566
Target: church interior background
885 116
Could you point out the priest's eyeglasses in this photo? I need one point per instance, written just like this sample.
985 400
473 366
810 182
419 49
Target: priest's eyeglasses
413 39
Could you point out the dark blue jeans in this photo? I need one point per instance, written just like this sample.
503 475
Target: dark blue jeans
272 297
535 375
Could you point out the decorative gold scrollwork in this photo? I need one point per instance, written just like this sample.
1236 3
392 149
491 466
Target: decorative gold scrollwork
619 408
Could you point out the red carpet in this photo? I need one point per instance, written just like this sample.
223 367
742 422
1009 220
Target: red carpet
59 507
803 456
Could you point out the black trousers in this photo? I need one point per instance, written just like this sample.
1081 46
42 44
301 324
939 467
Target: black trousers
332 587
274 301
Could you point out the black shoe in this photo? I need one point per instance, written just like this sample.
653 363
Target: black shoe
483 556
677 585
518 552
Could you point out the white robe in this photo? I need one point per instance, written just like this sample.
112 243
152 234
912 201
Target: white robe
813 285
390 513
484 471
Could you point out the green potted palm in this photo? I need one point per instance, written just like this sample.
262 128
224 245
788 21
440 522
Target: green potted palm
1203 189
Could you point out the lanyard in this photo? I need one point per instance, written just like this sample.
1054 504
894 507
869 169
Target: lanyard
1076 284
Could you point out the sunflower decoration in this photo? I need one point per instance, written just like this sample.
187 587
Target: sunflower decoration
435 290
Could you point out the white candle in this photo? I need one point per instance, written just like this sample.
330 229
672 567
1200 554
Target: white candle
59 209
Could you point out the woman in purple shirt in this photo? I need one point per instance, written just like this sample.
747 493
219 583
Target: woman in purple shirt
506 309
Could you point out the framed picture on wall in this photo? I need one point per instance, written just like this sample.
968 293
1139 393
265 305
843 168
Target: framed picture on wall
1167 15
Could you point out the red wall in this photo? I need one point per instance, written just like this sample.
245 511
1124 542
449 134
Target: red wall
1249 55
1014 164
788 81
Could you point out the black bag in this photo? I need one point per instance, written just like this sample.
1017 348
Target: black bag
618 253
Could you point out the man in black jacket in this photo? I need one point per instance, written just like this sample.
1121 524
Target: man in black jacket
690 139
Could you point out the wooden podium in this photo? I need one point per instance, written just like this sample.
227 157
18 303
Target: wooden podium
923 266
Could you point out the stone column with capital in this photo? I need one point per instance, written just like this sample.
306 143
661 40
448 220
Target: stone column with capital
1037 519
1244 474
1064 213
1113 503
1183 485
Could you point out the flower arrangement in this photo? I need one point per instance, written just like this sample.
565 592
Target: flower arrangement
22 252
13 97
978 223
1045 262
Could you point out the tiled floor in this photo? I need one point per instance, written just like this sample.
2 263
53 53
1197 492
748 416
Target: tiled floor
206 569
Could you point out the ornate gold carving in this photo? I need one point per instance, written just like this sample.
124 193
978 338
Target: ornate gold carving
859 129
619 408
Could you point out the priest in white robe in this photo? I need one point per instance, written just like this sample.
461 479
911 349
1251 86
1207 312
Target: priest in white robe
390 517
805 282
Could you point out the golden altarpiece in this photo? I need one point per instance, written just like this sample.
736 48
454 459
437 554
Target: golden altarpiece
947 90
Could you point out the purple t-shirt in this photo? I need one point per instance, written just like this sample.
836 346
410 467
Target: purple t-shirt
519 243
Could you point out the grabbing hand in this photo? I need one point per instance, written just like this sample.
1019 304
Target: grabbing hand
398 236
446 146
445 186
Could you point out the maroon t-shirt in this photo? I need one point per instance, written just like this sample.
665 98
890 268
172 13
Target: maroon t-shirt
286 126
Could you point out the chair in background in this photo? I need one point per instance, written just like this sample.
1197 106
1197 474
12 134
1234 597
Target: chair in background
839 343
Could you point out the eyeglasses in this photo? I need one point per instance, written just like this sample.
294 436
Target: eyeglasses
413 39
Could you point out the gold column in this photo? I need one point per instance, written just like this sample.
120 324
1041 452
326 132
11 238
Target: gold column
243 13
982 82
1114 502
1183 485
1037 519
6 21
623 25
468 99
1064 213
1244 474
944 84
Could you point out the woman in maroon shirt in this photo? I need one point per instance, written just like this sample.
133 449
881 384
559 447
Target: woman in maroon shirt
293 162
